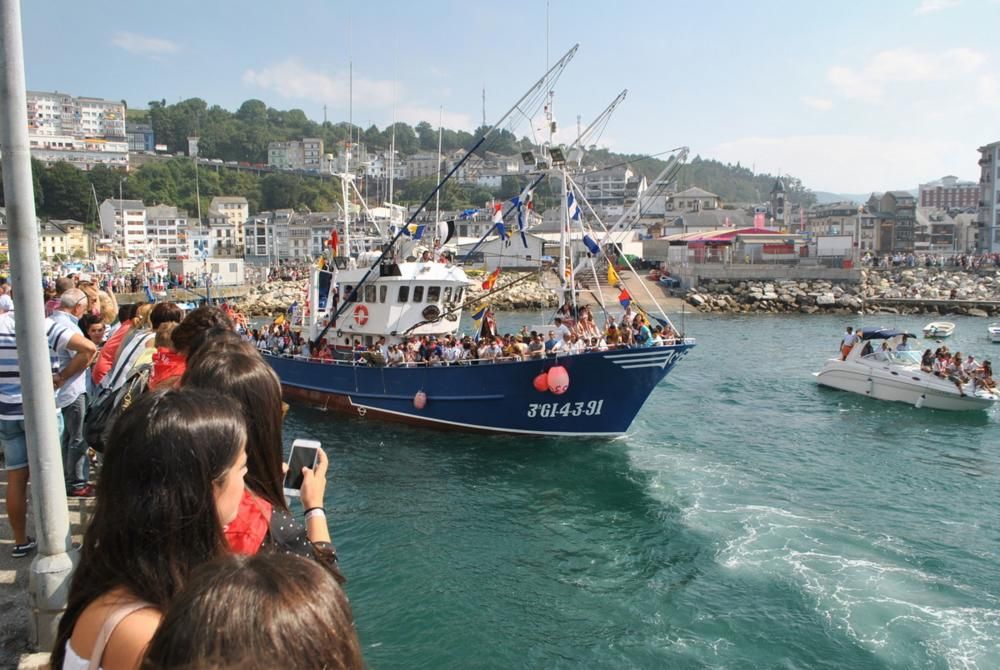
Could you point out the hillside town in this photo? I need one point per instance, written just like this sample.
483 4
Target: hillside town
674 225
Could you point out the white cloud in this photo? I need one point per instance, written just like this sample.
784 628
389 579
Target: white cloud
851 163
988 90
929 6
415 113
822 104
143 45
290 79
900 66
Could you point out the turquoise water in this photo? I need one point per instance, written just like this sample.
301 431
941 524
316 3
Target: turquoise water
749 520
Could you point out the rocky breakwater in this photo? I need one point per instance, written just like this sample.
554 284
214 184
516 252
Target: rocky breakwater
527 294
272 298
897 291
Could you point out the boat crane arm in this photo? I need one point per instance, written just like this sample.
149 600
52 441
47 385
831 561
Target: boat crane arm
552 74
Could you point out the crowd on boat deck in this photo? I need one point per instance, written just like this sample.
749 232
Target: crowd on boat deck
941 362
193 556
567 336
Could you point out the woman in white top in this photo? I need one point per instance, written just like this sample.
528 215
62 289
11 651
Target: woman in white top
172 478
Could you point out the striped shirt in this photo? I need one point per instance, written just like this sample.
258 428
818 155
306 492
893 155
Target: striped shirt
10 373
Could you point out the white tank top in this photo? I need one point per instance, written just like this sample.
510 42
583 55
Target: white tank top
73 661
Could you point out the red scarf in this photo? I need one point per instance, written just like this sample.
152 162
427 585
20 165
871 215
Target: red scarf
247 531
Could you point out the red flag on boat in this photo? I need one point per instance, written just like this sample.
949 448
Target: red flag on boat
334 241
491 280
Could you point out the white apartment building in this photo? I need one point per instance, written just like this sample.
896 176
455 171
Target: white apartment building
51 240
988 220
164 230
82 131
124 222
236 210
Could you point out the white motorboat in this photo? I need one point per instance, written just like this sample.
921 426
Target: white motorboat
939 329
994 331
885 373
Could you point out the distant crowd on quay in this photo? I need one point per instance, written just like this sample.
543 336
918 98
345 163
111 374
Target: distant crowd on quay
173 421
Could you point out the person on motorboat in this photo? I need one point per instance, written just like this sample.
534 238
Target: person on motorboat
850 339
904 345
927 361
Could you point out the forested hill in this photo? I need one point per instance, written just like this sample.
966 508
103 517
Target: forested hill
243 135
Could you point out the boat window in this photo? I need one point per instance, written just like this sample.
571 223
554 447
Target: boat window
348 293
433 293
458 294
370 293
418 294
382 290
447 294
404 294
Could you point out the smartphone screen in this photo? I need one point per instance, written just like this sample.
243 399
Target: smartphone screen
303 455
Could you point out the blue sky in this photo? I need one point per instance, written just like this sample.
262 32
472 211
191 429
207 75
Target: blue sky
851 96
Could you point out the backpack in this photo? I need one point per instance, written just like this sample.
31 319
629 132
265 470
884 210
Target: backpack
110 403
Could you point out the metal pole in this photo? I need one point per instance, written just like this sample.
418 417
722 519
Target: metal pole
52 566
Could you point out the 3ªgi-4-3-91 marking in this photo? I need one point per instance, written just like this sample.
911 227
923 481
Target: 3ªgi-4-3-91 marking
547 410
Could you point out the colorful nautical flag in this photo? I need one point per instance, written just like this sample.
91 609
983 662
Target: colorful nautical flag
491 280
467 214
625 298
149 294
334 241
414 230
524 201
498 221
572 208
445 231
613 278
591 245
477 319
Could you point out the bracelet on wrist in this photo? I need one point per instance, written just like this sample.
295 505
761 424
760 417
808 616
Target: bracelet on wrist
315 511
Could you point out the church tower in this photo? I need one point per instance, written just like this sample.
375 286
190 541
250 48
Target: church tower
778 203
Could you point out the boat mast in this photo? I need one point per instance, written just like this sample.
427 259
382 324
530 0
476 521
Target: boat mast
437 196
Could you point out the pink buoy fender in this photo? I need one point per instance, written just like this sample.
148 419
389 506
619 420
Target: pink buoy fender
558 379
420 400
541 382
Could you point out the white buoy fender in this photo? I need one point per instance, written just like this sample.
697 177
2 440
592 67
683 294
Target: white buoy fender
920 401
558 380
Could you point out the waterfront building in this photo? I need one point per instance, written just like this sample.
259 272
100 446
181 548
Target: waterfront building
425 165
948 193
124 223
140 137
235 209
305 154
988 220
51 240
81 131
693 199
895 220
611 191
163 226
79 241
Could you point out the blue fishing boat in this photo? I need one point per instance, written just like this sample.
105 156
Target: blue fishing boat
371 296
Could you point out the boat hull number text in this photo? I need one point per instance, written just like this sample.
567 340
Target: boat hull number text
547 410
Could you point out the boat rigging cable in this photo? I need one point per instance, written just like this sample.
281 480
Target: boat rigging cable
546 81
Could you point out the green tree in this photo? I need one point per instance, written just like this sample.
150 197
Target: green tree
280 191
67 192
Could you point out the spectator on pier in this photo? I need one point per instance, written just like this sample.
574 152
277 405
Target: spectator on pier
256 614
93 328
61 341
109 352
264 520
187 338
172 478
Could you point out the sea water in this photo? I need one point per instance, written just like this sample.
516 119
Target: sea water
750 519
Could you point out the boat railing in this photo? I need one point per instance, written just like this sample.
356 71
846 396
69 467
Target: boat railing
363 362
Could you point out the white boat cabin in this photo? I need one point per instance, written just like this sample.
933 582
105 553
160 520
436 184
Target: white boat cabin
398 300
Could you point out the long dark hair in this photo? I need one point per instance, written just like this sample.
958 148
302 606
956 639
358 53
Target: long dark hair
194 324
155 518
242 373
257 613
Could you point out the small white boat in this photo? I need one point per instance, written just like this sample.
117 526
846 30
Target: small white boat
889 374
939 329
994 331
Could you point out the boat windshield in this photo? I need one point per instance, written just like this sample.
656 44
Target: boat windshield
905 357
